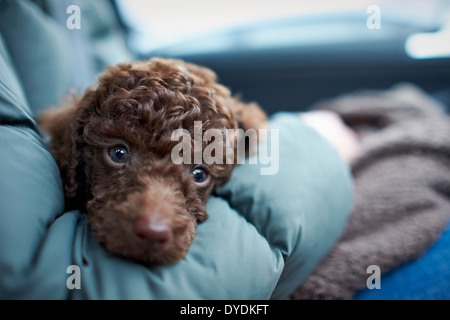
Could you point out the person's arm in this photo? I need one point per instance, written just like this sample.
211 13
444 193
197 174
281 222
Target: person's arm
303 206
264 235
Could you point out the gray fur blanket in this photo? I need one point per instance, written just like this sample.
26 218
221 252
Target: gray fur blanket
402 188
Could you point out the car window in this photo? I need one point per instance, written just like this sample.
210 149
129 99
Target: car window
202 26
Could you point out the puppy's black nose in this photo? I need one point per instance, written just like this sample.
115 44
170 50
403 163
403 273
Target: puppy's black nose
157 232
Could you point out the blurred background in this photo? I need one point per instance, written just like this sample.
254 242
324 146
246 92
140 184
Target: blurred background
287 54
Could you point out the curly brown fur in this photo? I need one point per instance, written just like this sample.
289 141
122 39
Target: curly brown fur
137 106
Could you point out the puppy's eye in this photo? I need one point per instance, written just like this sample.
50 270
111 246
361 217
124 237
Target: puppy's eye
200 175
119 155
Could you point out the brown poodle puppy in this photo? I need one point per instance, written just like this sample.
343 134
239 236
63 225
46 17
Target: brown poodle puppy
114 145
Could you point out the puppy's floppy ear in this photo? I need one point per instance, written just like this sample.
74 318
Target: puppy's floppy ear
65 128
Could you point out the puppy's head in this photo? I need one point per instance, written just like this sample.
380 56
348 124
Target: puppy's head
115 149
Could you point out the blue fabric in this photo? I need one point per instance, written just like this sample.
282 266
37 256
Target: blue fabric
427 278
